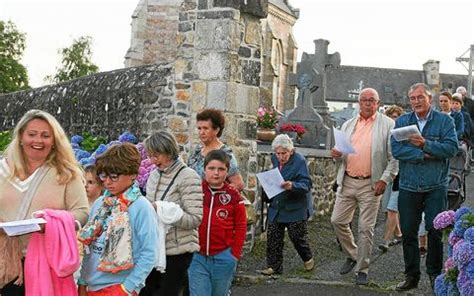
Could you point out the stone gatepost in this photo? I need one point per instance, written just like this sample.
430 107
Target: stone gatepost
218 66
214 47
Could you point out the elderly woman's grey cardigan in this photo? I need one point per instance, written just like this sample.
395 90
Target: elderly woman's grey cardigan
186 191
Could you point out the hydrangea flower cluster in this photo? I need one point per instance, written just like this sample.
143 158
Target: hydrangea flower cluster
458 274
86 158
444 219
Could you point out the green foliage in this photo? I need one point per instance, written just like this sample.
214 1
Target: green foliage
5 139
13 75
452 275
76 61
90 142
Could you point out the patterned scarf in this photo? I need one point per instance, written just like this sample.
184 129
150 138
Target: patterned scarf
117 255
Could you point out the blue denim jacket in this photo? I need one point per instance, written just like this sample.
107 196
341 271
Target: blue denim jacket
292 205
420 174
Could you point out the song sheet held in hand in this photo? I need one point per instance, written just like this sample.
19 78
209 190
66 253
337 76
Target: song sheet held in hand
404 133
343 143
271 182
20 227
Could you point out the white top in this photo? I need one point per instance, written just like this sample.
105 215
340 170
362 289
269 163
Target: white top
21 186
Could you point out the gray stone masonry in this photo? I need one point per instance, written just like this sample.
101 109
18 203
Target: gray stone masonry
136 99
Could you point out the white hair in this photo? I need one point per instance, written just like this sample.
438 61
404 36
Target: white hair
457 95
367 89
282 141
462 90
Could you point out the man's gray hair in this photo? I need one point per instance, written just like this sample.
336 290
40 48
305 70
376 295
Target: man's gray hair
462 90
372 90
420 84
162 142
282 141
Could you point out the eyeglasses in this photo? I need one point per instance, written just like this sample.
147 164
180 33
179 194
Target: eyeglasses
418 98
369 101
112 177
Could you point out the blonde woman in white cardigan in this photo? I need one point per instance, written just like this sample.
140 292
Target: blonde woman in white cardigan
39 171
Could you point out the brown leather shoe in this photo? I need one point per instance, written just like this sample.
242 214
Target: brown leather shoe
408 284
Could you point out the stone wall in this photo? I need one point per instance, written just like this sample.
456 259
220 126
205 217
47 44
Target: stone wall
154 33
138 99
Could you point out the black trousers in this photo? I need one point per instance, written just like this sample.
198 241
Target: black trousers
174 282
410 206
12 290
298 234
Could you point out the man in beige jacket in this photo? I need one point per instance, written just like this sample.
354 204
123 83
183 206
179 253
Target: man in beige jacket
362 179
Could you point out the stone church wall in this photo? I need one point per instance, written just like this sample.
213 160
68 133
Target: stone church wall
137 99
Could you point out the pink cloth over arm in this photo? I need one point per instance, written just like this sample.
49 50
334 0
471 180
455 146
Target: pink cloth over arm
52 257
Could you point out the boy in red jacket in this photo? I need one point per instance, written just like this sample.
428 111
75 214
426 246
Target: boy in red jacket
221 233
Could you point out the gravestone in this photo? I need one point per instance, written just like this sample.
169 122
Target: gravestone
317 134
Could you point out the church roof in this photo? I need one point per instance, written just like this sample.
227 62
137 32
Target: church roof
391 84
283 5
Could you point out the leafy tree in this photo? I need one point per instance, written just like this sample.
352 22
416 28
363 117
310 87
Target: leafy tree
76 61
13 75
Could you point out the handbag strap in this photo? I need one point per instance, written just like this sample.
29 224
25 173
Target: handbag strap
171 183
30 192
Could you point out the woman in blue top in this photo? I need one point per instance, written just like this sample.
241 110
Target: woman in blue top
210 123
289 209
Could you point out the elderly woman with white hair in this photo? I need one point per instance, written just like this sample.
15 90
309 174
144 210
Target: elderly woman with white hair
290 209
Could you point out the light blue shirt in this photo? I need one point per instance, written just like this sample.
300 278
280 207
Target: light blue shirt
422 121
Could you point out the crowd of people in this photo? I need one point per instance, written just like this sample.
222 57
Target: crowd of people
184 234
183 237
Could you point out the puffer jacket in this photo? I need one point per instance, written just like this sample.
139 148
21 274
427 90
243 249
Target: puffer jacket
186 191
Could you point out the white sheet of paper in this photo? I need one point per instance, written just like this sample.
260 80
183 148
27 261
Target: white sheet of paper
403 133
20 227
271 182
343 143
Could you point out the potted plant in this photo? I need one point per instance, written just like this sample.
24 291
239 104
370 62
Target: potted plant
294 130
267 120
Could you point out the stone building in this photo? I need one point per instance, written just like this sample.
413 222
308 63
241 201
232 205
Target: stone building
155 39
279 55
342 83
195 54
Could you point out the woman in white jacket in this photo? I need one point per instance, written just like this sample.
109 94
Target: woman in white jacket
173 182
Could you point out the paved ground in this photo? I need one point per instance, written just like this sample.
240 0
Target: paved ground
386 269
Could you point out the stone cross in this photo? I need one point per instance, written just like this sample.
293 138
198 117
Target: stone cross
317 133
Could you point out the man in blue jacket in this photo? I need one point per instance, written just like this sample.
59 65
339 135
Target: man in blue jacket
424 165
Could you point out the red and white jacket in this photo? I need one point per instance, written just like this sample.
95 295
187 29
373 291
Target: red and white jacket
224 221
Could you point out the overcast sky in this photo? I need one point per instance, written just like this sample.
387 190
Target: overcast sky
391 34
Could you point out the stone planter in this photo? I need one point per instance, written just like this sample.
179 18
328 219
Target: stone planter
266 134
